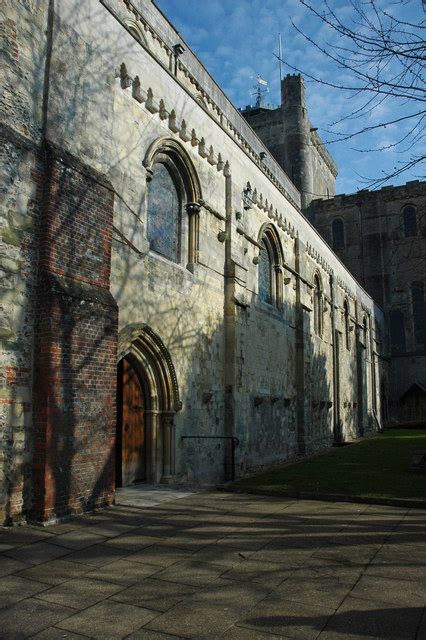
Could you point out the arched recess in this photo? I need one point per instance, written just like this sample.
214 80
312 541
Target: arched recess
136 31
152 360
270 243
173 157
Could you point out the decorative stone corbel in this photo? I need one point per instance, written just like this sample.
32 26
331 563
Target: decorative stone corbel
202 148
163 113
210 158
137 92
194 140
184 134
125 79
227 170
150 104
173 126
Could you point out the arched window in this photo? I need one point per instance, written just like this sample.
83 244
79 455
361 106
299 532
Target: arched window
338 233
419 314
346 313
318 305
265 274
164 213
410 221
173 193
270 281
397 331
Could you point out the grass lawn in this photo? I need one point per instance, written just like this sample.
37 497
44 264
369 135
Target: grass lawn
377 467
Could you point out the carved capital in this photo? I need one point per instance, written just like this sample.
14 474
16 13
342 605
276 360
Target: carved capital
193 208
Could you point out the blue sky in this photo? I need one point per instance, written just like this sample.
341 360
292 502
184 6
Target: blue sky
236 40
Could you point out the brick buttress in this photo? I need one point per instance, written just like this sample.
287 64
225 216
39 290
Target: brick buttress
75 342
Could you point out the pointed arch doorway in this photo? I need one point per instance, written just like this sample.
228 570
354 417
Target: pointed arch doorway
147 401
131 436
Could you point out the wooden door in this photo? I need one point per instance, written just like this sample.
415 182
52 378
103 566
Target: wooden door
131 443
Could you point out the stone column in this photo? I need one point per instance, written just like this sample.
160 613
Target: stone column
193 211
168 448
279 285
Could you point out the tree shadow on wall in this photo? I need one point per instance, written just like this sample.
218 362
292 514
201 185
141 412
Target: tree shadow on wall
262 412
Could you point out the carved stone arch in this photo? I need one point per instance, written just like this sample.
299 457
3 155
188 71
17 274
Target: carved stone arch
154 365
147 346
318 278
270 242
135 29
169 156
177 152
270 231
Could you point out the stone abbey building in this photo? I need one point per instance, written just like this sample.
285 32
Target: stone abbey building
162 292
380 236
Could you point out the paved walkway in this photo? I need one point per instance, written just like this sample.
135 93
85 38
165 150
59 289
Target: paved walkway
218 565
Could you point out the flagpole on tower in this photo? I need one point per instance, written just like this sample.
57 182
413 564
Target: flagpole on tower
280 57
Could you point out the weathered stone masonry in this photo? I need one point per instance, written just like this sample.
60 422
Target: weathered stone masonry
287 374
75 343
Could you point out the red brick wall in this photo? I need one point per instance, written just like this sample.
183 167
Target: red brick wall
75 345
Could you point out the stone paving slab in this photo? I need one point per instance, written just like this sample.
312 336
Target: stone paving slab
173 564
108 620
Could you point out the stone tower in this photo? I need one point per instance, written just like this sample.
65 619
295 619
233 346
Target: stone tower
294 142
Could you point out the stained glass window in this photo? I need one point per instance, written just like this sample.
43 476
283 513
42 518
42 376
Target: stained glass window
163 213
265 274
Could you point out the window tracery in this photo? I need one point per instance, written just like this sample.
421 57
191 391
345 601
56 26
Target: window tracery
172 209
270 267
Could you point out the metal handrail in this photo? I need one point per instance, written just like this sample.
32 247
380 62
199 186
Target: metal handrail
235 442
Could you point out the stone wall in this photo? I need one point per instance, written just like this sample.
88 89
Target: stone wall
386 263
23 53
294 143
217 362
